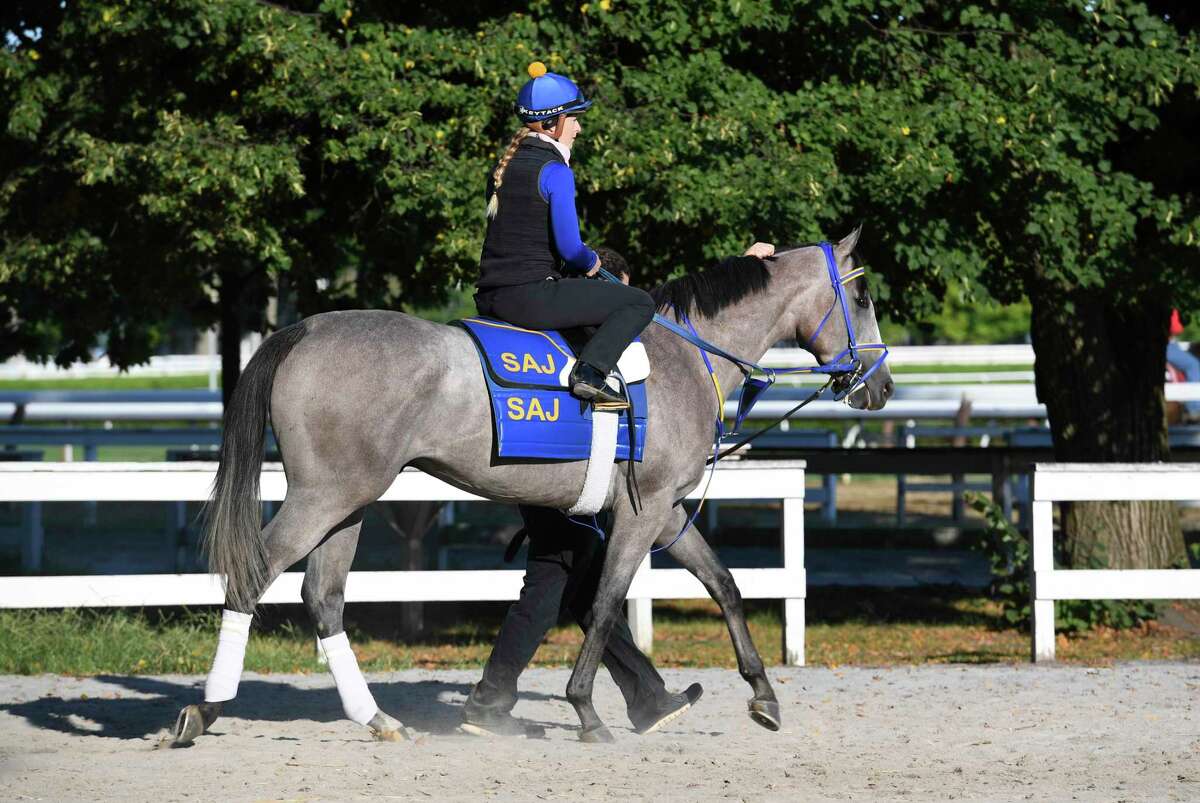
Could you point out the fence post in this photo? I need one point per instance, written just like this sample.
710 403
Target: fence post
1001 486
91 453
906 439
793 558
962 419
33 545
829 503
1042 546
640 612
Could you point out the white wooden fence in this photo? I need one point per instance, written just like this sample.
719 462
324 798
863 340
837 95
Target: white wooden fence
1101 482
169 482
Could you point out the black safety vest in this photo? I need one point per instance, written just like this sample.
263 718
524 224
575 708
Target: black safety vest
518 247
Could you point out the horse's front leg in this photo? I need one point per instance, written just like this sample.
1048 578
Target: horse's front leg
694 554
632 535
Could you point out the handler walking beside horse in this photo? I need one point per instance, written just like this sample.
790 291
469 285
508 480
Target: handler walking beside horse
562 570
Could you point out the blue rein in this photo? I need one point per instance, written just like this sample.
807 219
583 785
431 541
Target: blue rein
846 361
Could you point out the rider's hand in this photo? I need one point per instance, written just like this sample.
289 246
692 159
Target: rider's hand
760 250
595 268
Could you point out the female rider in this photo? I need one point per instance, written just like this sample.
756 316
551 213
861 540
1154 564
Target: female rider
533 267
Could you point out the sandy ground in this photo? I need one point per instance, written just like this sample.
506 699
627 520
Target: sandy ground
1131 732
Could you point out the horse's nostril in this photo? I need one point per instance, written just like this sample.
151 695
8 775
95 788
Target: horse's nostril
888 388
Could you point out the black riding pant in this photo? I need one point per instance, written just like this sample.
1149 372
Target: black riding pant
563 570
620 311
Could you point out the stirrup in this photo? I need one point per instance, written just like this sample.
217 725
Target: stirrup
610 406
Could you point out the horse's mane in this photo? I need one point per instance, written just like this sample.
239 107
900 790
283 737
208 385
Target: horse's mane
711 290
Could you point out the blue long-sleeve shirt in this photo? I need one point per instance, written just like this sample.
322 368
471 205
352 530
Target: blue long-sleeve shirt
557 186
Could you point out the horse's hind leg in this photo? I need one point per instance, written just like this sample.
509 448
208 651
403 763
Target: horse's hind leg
303 520
632 536
694 554
324 595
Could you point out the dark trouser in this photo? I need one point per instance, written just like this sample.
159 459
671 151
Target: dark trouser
563 570
620 311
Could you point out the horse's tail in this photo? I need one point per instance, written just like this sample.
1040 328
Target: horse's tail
233 514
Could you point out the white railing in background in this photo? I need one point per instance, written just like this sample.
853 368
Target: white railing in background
171 482
1019 355
159 365
1101 482
1014 355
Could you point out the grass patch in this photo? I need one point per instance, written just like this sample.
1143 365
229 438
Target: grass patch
88 642
916 368
846 627
118 382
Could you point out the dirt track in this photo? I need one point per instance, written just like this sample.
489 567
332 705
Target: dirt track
998 733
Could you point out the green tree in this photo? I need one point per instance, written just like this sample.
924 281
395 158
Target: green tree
159 157
1049 136
195 155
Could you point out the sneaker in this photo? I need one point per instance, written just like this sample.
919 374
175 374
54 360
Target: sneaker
588 383
479 721
675 706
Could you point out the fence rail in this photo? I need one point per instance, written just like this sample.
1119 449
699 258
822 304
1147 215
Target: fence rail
190 364
1101 482
171 482
939 401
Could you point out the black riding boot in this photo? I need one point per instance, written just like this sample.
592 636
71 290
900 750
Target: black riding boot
589 383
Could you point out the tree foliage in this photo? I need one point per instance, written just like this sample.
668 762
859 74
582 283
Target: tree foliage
153 153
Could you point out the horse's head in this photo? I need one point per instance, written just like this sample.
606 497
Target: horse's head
821 326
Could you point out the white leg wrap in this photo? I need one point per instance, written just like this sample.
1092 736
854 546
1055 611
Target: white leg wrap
600 465
222 683
357 701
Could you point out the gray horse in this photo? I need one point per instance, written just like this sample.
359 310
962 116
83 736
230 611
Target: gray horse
354 397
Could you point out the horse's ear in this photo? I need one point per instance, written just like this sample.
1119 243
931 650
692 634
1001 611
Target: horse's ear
847 243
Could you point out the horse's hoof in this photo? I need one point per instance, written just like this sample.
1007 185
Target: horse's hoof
399 735
766 713
387 729
188 726
597 735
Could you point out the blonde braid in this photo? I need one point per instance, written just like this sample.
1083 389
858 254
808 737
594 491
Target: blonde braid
493 205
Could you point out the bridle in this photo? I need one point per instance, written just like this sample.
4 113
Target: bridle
845 370
846 362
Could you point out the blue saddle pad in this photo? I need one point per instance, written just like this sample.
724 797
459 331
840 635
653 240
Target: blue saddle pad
534 415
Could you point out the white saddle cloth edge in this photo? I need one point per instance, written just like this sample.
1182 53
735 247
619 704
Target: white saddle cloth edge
600 465
634 365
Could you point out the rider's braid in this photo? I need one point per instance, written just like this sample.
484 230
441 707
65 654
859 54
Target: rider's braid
498 177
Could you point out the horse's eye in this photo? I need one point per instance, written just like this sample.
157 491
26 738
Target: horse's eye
862 296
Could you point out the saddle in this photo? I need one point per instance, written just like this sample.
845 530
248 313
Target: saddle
533 412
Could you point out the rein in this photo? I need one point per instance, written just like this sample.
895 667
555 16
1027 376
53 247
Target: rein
846 362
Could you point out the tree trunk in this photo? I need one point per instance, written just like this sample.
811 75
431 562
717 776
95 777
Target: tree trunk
1099 371
231 333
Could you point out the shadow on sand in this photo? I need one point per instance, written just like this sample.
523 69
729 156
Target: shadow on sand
428 706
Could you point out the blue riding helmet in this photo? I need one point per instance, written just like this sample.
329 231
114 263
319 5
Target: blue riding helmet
547 95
